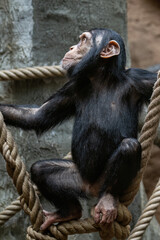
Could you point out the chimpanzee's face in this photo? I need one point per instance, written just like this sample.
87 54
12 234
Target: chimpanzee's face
77 52
96 42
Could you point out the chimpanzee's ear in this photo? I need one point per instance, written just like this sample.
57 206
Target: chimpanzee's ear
112 49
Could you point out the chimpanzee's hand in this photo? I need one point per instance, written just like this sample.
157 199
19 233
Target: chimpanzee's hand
106 209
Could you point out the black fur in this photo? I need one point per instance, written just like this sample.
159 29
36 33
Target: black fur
105 129
59 181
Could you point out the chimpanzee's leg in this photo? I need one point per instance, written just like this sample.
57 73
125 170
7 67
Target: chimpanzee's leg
121 168
60 183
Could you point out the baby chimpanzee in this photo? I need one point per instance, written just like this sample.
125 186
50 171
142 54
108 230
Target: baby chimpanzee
105 100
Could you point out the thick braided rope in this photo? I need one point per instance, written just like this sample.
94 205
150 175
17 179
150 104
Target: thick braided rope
32 73
78 227
33 235
146 215
16 170
10 211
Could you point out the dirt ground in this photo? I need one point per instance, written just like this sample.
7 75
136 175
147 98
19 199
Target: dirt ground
144 44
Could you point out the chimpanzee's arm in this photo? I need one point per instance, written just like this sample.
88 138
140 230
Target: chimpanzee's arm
56 109
143 81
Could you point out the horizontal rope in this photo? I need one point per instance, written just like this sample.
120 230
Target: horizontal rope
32 73
10 211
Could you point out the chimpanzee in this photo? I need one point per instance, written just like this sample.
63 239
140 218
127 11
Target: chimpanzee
105 99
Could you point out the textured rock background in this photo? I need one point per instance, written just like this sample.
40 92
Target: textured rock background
39 33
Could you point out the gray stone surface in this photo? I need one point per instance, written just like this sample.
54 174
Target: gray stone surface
58 23
39 33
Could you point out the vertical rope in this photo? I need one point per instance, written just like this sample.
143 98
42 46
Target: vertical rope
17 171
147 137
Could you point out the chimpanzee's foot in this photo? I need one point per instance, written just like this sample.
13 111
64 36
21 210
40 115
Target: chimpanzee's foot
106 209
54 217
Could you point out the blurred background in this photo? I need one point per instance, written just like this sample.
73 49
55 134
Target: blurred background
144 32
